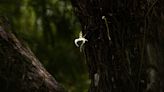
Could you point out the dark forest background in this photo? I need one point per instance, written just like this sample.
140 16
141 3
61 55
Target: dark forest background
49 28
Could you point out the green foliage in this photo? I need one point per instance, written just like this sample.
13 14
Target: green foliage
50 27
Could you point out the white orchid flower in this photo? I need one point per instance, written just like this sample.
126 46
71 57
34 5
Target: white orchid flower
80 39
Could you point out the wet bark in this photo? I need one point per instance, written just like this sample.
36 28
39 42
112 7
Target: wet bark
132 60
20 70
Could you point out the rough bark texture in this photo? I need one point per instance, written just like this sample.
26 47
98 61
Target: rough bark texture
132 60
20 70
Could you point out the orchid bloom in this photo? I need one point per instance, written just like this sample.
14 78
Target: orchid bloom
80 39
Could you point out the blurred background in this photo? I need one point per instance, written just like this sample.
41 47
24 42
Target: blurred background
49 28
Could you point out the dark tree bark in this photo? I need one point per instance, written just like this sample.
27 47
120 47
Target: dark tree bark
20 70
132 60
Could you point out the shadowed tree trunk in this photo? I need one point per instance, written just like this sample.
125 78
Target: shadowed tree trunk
124 48
20 70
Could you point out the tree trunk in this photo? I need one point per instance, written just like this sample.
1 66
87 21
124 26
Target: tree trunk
124 50
20 70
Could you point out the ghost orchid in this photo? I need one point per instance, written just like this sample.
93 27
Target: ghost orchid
80 39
